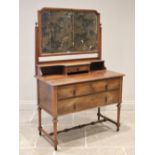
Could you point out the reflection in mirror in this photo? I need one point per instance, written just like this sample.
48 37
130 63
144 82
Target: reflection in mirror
68 31
85 31
56 31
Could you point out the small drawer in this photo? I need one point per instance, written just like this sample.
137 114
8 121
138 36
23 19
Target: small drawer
73 69
113 84
83 68
66 91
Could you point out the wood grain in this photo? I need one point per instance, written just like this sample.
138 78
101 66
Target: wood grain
81 103
45 97
63 94
72 79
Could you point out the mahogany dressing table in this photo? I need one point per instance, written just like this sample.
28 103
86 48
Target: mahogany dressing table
71 75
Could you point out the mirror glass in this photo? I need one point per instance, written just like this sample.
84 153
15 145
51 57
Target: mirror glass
85 31
68 31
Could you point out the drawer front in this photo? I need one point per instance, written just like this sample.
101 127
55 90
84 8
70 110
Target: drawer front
80 103
66 91
113 84
112 97
66 106
90 101
83 68
87 88
99 86
72 69
81 89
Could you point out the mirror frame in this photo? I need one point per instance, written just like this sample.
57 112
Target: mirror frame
38 36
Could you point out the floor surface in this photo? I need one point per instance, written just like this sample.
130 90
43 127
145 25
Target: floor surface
99 139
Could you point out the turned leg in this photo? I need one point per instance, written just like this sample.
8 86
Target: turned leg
39 120
118 115
55 133
98 113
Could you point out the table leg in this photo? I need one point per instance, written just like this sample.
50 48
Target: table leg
98 113
118 115
55 132
39 120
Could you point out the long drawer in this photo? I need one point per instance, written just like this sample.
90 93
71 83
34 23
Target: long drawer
86 102
75 90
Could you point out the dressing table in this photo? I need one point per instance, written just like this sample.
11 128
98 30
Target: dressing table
71 75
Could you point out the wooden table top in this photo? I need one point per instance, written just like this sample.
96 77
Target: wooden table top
58 80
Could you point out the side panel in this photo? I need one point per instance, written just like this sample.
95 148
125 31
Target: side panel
47 98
